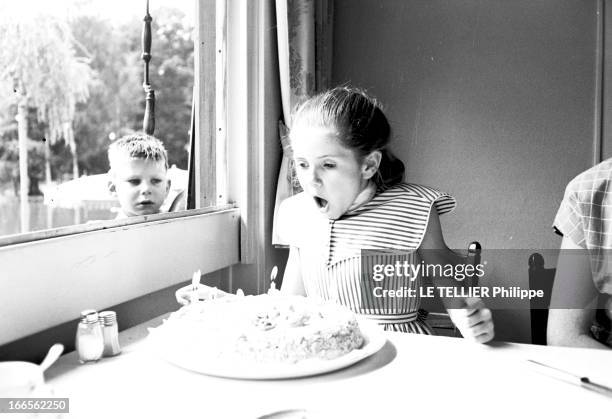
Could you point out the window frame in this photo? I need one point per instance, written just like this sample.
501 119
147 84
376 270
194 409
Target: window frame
43 285
210 168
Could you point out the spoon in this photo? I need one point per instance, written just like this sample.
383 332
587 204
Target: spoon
54 353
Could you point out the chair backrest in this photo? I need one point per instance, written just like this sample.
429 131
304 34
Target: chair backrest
179 202
473 258
540 278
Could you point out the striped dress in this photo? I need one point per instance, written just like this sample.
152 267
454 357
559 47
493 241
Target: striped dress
338 258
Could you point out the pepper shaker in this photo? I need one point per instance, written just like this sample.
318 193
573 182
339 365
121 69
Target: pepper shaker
89 339
110 331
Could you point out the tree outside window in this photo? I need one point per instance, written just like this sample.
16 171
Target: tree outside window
76 84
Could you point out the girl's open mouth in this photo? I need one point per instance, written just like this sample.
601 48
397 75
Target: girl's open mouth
321 203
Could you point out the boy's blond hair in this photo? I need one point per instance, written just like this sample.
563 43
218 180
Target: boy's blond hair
137 146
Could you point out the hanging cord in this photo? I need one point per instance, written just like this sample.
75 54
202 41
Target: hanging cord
148 125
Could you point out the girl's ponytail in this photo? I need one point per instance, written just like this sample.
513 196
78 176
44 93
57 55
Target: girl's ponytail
390 171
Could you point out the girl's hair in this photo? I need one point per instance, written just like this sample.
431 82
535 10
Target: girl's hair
360 123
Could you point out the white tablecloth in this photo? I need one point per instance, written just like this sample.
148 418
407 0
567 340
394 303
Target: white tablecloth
411 375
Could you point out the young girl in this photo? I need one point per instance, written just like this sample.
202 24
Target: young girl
355 214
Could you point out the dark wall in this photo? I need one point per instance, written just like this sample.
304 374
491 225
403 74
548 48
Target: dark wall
492 101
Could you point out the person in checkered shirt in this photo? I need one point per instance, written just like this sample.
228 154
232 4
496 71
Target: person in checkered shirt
583 281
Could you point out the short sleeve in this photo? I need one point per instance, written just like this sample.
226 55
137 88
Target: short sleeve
568 220
441 201
444 203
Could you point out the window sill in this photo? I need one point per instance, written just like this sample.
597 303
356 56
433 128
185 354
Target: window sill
103 225
48 281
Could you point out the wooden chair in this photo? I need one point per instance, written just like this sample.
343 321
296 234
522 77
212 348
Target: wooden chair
473 258
540 278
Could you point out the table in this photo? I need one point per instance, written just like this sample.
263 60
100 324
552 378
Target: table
411 375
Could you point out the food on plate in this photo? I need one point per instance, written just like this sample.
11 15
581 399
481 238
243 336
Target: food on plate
268 328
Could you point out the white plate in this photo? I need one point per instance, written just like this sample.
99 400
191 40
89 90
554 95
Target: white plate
374 341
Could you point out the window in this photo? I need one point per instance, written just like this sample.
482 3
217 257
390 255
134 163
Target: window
77 72
60 273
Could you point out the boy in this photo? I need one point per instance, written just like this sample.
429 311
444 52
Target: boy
138 174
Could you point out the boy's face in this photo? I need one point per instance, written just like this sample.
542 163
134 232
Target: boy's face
140 185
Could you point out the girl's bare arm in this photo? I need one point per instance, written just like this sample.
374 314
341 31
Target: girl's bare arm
292 279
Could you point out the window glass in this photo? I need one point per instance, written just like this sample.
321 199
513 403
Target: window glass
76 71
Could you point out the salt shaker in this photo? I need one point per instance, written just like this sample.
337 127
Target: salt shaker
110 331
89 339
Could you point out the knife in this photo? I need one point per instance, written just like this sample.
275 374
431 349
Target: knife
583 381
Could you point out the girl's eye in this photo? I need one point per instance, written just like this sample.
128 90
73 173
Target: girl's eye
156 181
134 182
329 165
302 165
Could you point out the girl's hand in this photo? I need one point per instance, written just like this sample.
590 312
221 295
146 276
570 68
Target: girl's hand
474 321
